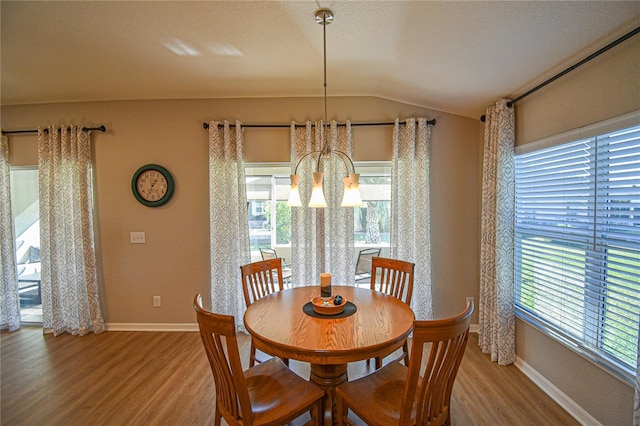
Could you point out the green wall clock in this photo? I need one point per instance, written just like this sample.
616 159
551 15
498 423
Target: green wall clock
152 185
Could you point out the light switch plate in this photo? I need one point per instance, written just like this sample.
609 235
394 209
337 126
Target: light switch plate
137 238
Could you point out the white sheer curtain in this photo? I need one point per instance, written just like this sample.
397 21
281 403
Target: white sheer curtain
496 334
410 207
321 238
70 300
228 218
9 298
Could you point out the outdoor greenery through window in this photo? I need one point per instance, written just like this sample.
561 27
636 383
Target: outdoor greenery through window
372 221
577 244
270 216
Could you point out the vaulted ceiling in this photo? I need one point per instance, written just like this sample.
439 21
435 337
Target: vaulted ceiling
451 56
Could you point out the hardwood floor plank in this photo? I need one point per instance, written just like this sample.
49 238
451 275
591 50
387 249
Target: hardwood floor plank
163 378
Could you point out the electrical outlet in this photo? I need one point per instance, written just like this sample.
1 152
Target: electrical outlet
137 238
156 301
470 299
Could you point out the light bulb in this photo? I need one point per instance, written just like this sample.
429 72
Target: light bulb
352 196
294 194
317 196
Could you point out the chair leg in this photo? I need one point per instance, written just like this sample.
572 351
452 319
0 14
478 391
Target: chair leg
378 362
252 355
340 410
405 348
316 419
316 414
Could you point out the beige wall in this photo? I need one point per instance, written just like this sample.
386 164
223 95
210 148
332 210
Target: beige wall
606 87
174 262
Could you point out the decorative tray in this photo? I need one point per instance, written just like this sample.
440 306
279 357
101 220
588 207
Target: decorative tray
329 309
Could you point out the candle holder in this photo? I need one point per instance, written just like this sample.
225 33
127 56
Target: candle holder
325 288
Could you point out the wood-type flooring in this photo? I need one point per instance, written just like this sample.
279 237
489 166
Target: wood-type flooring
163 378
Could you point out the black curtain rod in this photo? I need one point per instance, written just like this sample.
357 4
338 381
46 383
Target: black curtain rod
571 68
86 129
286 126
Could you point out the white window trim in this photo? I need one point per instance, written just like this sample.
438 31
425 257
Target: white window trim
612 367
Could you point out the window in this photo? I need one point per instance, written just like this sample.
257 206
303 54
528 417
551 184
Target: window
577 244
26 210
270 216
372 222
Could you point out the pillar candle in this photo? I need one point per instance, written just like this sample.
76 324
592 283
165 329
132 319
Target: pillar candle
325 284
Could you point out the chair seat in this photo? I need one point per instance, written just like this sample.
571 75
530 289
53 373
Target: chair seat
272 385
384 390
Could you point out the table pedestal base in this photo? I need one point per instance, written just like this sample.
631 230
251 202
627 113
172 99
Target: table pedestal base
328 377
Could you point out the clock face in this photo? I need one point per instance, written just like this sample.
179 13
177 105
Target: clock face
152 185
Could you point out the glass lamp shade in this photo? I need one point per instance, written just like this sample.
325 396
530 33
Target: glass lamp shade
317 196
294 194
347 197
352 196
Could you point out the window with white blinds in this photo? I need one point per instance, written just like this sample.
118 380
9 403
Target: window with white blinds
577 244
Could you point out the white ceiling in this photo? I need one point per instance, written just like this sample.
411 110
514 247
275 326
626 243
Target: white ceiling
451 56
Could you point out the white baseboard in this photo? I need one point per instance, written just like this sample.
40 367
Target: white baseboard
152 327
557 395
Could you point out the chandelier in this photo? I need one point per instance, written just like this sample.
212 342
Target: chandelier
351 198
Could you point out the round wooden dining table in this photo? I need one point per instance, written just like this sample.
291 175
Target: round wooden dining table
279 326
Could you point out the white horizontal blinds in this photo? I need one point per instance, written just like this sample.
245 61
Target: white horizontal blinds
578 240
553 216
616 257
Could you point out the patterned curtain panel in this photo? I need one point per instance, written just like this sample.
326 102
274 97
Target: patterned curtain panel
496 335
636 402
321 238
410 207
9 298
70 302
228 218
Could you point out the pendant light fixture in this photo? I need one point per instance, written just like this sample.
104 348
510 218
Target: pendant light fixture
351 198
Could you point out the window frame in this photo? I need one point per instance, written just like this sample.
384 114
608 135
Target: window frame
608 363
280 170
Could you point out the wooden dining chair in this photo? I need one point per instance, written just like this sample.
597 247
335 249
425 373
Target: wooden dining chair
417 394
267 394
260 279
395 278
